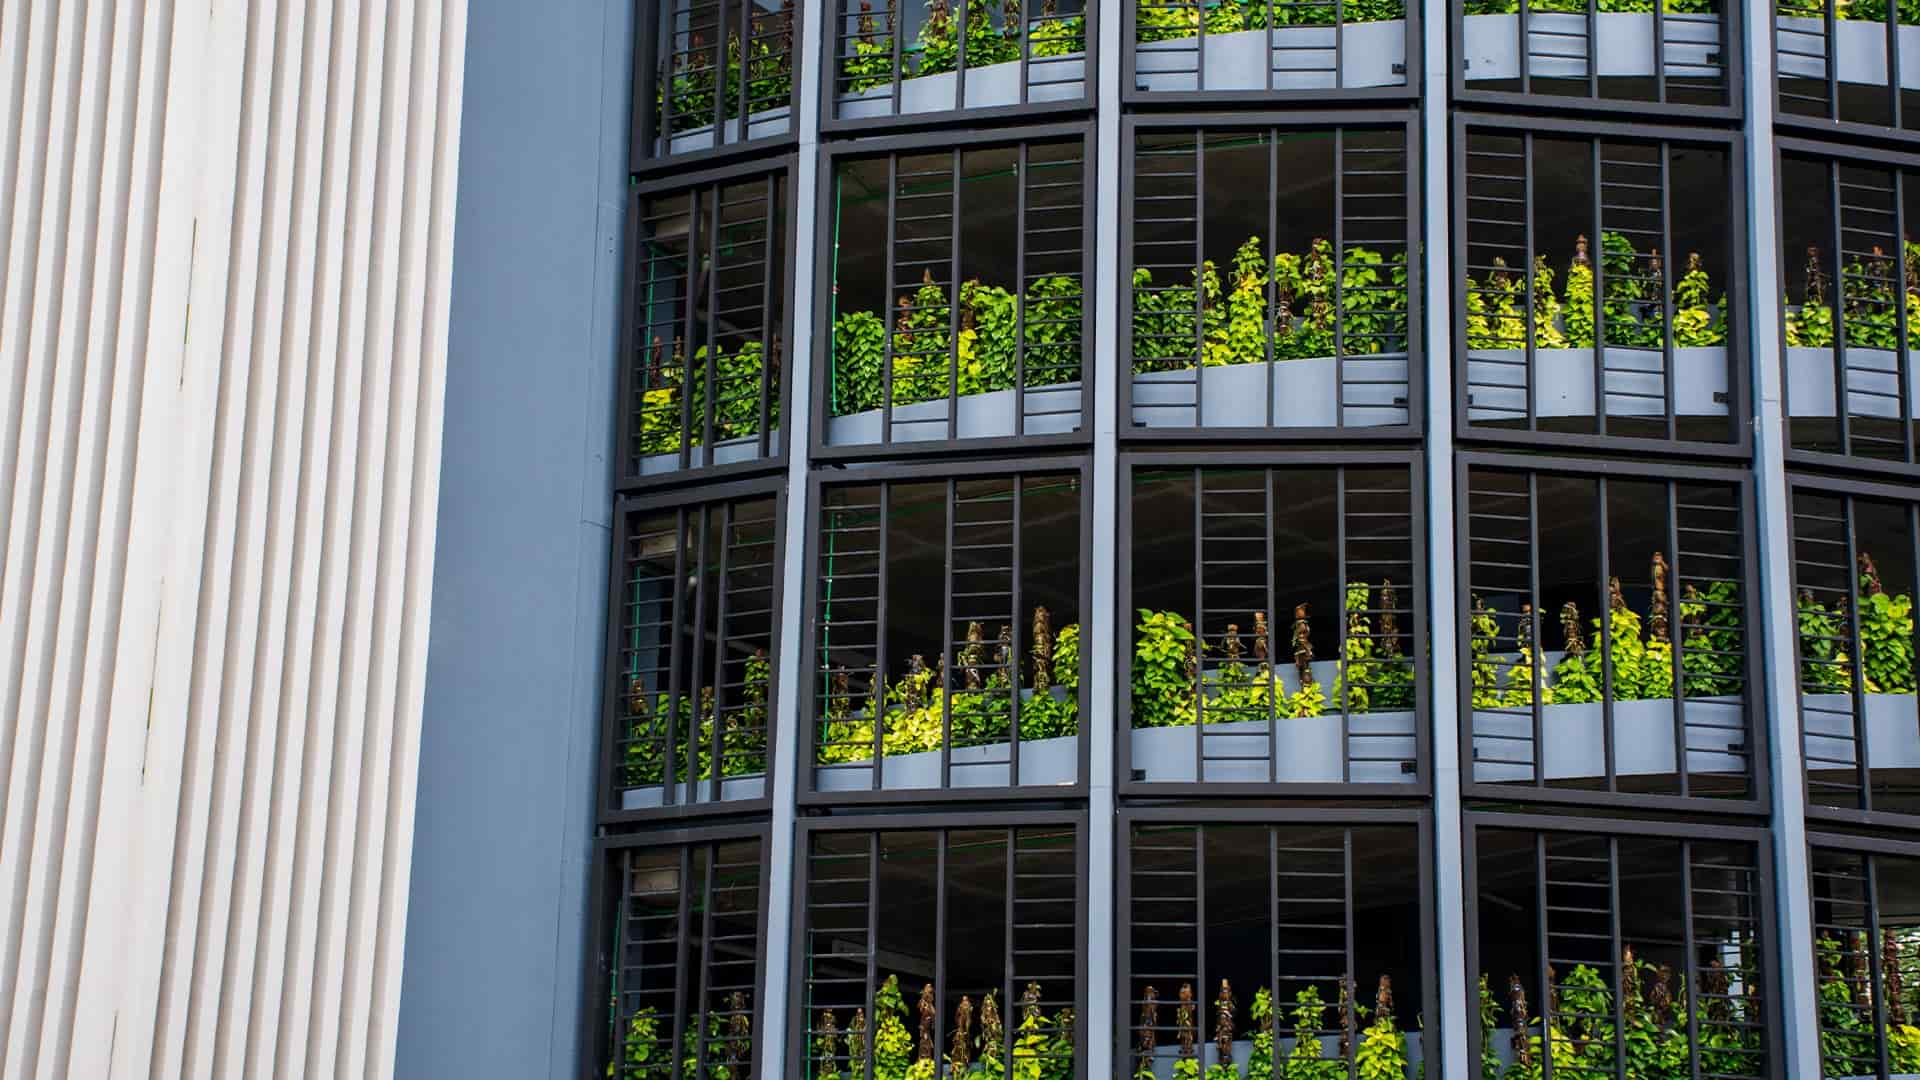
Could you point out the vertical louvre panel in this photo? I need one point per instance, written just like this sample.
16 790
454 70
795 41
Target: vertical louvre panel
968 936
1853 575
1631 948
959 295
1292 47
686 942
1586 52
1288 310
693 633
708 310
949 606
1649 698
1593 305
1275 637
719 72
1846 63
897 58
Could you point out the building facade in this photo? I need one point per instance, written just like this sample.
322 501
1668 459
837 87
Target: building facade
1171 539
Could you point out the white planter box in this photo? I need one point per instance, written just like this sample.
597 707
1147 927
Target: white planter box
1301 58
1165 1055
1563 382
1893 729
1573 740
1302 393
731 789
976 416
1043 762
1623 41
1811 382
759 126
724 452
1861 48
1053 78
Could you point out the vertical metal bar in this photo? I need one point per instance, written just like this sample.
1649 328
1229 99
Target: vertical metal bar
1878 977
1607 727
953 287
1339 45
746 68
1200 916
939 935
680 957
1533 596
710 362
683 343
947 652
1199 624
1271 320
773 260
1340 609
1544 939
705 981
1832 46
1593 48
1617 957
1902 363
960 55
1012 908
1693 957
672 650
1024 170
1200 49
699 520
1659 53
1026 67
1273 908
1676 635
1842 401
1523 49
877 693
1339 274
1012 660
1268 477
872 943
1531 357
1199 257
1599 159
1863 749
1351 965
1672 405
719 76
719 746
893 240
897 30
1894 86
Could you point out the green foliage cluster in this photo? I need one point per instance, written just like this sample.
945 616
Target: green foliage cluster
646 1049
1881 638
936 49
1373 1045
744 745
1845 995
977 703
1671 7
1168 688
1500 314
1042 1046
1286 308
1168 20
689 88
667 386
976 349
1652 1041
1638 657
1869 306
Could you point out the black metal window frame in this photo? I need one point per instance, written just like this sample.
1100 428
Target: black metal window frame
1756 733
800 1023
1830 124
1336 461
832 155
1133 125
1132 93
641 159
777 290
1613 830
1869 850
1734 75
1832 156
1849 491
834 23
1739 355
810 795
696 500
1418 821
602 1029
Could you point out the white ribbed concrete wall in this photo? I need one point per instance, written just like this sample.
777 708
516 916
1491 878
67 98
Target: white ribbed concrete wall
227 231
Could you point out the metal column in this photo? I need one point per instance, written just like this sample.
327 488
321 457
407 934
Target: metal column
782 768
